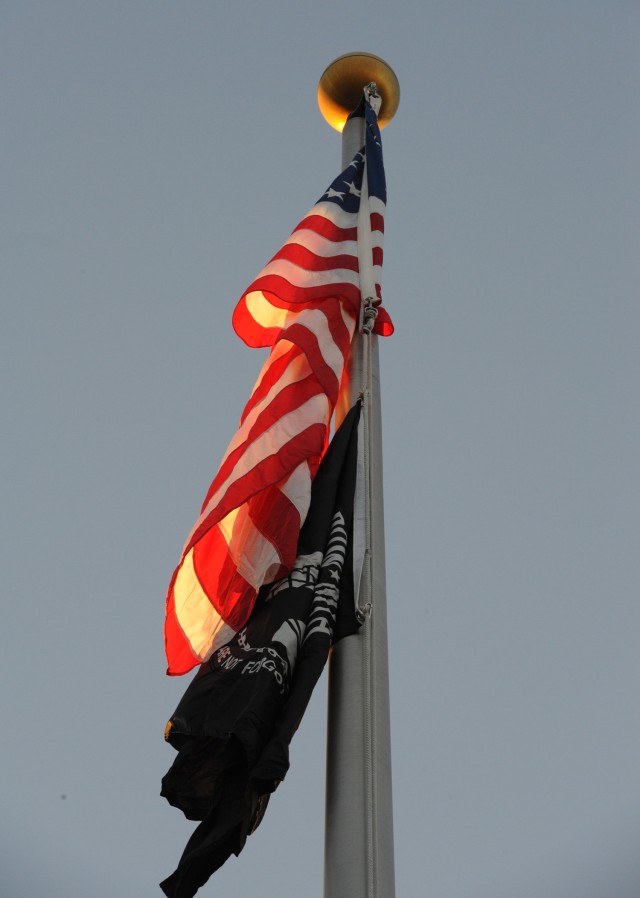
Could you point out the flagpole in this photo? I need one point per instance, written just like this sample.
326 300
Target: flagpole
359 856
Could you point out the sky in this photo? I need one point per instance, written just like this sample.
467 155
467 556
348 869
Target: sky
154 156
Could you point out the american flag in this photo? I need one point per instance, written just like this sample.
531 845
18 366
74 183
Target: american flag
305 304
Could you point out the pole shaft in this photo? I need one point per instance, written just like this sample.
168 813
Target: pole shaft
359 860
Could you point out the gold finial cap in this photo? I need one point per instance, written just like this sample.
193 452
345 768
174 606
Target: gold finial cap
340 88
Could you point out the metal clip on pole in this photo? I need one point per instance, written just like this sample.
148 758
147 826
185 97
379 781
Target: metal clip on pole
369 315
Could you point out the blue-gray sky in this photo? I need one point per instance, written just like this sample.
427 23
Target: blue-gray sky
154 156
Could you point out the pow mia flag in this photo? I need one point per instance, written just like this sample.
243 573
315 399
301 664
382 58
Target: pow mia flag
233 726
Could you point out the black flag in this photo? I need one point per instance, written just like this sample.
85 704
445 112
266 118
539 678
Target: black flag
233 725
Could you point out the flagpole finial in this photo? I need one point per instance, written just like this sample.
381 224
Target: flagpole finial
340 88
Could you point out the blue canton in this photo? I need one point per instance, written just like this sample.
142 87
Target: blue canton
345 190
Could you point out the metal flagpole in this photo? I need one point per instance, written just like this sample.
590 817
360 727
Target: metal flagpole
359 860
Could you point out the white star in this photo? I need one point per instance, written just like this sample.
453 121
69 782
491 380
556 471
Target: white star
352 188
331 193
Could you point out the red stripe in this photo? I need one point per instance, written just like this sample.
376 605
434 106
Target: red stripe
247 328
305 258
377 222
290 397
384 325
269 377
307 445
276 517
337 332
308 342
328 229
286 294
229 593
180 656
268 471
341 333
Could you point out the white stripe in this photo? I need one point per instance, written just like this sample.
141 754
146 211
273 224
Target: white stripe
376 205
263 312
297 489
251 552
335 214
340 217
325 248
298 276
297 369
316 321
315 410
365 244
255 557
349 317
257 561
198 619
320 246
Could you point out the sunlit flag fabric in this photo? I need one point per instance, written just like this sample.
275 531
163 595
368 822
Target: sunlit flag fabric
304 304
233 726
